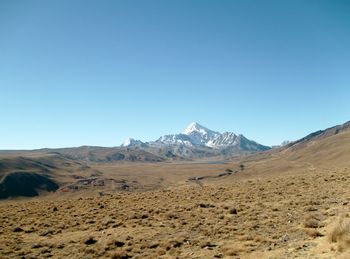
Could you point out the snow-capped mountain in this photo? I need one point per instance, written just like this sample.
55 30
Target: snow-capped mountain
197 135
194 135
132 142
200 135
175 139
224 139
200 139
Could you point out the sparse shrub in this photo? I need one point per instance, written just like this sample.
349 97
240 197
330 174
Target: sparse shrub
204 244
312 221
47 232
313 233
154 245
232 250
90 241
173 243
90 251
171 215
119 243
36 245
311 208
120 255
18 229
60 246
233 211
144 216
206 205
340 233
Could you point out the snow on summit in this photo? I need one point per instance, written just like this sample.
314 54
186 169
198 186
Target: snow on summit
196 135
196 127
200 135
131 142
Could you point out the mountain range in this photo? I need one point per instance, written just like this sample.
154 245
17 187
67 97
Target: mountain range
48 169
198 136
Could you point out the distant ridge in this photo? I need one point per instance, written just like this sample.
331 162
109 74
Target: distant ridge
321 134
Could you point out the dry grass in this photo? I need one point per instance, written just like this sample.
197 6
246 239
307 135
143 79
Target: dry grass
313 220
313 233
278 207
340 233
280 217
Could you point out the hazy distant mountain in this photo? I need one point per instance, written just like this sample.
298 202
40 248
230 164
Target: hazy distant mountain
284 143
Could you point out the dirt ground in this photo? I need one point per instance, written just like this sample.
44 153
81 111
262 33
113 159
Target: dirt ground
286 215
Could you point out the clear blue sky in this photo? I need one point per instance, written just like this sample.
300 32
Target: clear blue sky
96 72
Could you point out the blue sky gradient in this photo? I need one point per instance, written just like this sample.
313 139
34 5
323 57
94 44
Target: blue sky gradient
96 72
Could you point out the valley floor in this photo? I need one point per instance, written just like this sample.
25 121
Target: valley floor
284 216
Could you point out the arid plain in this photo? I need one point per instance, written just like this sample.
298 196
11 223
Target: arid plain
291 202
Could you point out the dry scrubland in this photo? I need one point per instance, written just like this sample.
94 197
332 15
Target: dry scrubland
285 216
291 202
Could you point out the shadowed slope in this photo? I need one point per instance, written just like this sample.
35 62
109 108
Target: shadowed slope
25 184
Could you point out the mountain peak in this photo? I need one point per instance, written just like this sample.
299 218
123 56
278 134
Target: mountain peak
195 127
131 142
198 136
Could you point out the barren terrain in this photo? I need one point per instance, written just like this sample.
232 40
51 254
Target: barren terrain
271 217
287 203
